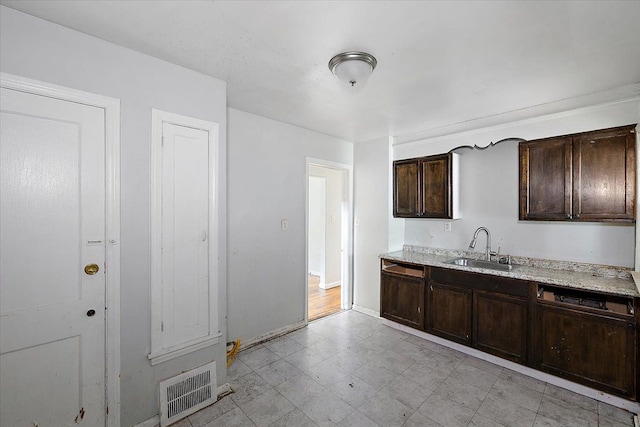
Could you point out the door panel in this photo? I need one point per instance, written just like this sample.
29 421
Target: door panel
405 182
604 175
185 226
546 179
402 299
40 174
500 325
436 187
587 348
450 312
52 224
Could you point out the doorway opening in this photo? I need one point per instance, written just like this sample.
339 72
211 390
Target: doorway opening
328 239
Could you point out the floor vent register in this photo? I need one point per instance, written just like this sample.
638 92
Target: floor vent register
184 394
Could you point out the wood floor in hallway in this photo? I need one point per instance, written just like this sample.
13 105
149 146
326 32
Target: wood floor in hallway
322 302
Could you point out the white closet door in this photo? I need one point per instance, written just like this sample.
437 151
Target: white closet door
52 225
185 234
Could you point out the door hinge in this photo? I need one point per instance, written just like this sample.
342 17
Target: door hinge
162 141
161 326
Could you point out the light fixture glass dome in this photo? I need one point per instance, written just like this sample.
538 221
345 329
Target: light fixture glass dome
352 67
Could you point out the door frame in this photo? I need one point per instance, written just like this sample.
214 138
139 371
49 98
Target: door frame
111 108
346 291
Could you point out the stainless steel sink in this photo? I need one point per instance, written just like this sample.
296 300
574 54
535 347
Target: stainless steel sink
478 263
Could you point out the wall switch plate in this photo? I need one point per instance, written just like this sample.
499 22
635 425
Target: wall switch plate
447 226
284 224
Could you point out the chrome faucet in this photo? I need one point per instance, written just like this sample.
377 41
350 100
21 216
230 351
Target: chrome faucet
475 238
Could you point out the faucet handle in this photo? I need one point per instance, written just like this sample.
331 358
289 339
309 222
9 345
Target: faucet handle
504 260
495 254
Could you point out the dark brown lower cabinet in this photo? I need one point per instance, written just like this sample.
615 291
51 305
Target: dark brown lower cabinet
450 312
500 325
587 337
591 349
402 299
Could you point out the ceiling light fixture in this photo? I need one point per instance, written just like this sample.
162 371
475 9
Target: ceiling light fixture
352 67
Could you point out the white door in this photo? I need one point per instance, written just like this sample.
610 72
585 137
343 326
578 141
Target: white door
52 225
185 234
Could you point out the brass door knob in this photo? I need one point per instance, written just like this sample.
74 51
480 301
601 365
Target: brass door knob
91 269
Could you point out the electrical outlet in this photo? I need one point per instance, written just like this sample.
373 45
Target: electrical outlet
447 226
357 222
333 218
284 224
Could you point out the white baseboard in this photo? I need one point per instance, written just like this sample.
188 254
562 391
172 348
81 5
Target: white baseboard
272 334
616 401
329 285
223 390
365 310
154 421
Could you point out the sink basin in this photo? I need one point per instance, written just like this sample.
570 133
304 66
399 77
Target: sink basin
478 263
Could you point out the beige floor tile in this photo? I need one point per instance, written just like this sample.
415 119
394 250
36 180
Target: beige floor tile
505 412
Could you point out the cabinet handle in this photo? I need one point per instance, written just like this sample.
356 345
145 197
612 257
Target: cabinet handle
431 287
418 309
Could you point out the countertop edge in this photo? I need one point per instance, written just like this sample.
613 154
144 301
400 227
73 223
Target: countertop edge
563 278
636 279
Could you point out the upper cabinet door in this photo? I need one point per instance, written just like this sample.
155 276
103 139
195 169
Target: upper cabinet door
424 187
589 176
545 179
604 175
436 186
405 188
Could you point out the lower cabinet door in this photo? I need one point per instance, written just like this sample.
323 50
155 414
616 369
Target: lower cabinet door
500 325
402 299
591 349
450 312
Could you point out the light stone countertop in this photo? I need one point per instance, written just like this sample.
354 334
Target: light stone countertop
589 277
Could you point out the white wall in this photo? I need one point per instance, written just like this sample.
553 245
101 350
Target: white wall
333 221
489 185
44 51
267 183
317 225
375 232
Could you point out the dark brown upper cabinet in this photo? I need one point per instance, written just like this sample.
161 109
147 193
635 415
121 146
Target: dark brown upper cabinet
405 188
423 187
587 176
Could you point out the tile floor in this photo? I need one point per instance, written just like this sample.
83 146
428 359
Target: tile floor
351 370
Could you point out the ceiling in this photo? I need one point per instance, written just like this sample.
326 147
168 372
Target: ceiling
439 63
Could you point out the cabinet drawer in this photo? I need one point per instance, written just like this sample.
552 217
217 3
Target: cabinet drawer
484 282
402 268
